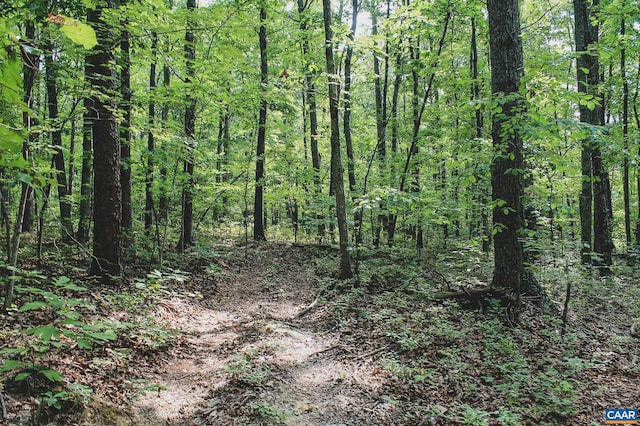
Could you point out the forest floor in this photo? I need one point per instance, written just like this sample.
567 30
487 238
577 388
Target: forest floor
263 335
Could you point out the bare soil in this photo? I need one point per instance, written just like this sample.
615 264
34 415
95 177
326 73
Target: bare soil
247 358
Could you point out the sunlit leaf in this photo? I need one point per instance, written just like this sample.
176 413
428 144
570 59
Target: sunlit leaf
77 31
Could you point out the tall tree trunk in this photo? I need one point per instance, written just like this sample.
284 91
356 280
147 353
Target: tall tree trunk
151 144
602 215
226 147
587 72
337 178
625 133
347 99
380 100
107 210
480 195
596 193
390 221
30 68
72 151
636 115
347 119
56 142
14 243
508 188
310 98
125 130
417 120
86 193
186 234
258 200
380 90
163 201
13 236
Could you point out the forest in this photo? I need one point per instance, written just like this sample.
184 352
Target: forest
319 212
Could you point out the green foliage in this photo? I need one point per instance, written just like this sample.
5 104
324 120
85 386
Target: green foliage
246 369
75 394
78 32
66 331
270 414
474 416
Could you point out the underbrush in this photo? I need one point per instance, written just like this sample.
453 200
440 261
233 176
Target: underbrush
448 364
65 339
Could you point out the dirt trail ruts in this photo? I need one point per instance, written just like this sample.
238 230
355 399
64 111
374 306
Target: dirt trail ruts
244 357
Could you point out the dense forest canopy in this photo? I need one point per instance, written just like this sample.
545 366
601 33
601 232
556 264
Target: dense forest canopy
176 121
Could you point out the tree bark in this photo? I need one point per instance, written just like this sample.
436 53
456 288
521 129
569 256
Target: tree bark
636 115
56 142
107 210
337 178
390 220
163 199
86 194
625 134
186 234
481 194
508 165
596 191
30 68
310 99
125 129
151 143
258 200
346 125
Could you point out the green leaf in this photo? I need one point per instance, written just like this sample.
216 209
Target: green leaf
10 139
21 376
45 332
73 321
32 306
66 283
11 364
11 78
79 33
73 315
102 336
83 343
41 348
23 177
52 375
11 351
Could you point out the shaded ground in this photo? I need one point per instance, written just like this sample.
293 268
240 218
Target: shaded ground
384 353
246 358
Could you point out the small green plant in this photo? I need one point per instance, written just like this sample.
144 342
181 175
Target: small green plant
270 414
474 416
74 394
508 417
244 369
554 394
60 305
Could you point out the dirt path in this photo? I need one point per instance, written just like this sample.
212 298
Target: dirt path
245 358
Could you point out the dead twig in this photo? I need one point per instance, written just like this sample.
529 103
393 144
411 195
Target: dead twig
306 310
371 353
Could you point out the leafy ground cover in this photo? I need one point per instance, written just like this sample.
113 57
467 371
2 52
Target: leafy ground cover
262 334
